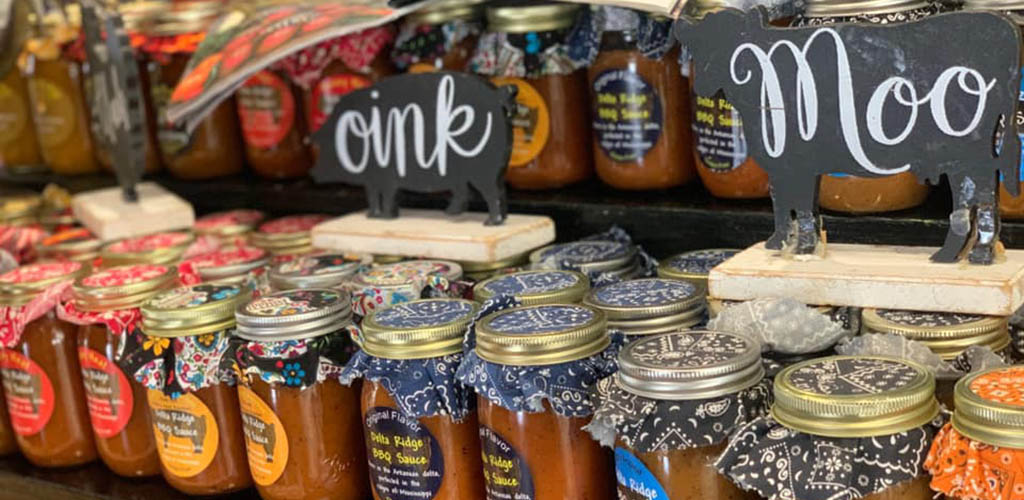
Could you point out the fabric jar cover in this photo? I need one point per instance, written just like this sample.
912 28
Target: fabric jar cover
780 462
530 55
647 306
121 321
651 36
605 258
425 42
31 291
390 284
242 264
357 51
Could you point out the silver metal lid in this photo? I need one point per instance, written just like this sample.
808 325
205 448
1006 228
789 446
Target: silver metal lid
294 314
839 8
690 365
313 271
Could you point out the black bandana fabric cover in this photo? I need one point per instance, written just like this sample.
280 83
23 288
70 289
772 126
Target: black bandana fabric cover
648 425
420 387
652 36
295 363
782 464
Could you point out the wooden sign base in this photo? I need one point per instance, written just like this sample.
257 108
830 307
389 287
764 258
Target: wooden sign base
434 234
891 277
110 217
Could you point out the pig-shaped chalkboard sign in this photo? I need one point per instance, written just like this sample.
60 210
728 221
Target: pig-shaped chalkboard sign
426 132
936 96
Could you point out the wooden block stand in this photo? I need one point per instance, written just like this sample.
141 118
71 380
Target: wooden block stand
109 217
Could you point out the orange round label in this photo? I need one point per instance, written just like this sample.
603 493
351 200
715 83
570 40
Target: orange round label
186 433
531 122
328 91
423 68
265 440
107 393
29 392
266 108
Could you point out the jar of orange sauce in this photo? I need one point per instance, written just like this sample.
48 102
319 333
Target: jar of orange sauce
273 126
19 148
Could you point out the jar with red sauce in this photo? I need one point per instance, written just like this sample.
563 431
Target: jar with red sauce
273 126
526 46
303 432
182 356
533 369
46 400
640 112
412 404
157 248
287 237
105 305
440 36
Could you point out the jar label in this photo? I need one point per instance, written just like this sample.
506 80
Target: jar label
328 91
531 122
718 133
422 67
635 481
186 433
54 112
627 115
29 393
107 393
266 443
266 108
13 114
171 139
506 474
405 459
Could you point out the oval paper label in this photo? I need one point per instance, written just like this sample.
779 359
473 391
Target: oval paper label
266 443
107 393
186 433
29 392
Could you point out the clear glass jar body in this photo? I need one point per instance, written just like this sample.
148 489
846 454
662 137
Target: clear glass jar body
860 195
561 459
688 474
641 117
18 144
915 489
8 440
61 117
459 443
45 396
213 149
273 127
123 430
326 458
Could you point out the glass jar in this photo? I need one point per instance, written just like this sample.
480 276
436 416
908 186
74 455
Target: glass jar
18 145
117 403
192 402
862 425
617 259
327 270
19 208
302 429
232 226
650 305
546 454
535 287
8 439
441 36
388 284
78 245
406 351
157 248
639 108
479 271
678 376
237 265
273 126
694 266
551 131
42 381
214 147
947 334
287 237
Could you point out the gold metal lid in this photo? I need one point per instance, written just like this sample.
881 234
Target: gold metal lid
443 11
694 265
419 329
21 284
19 205
158 248
406 273
478 267
664 324
854 396
947 334
520 17
313 271
74 244
646 298
997 5
597 255
541 335
989 408
122 287
535 287
229 262
690 365
193 310
837 8
230 223
185 17
294 315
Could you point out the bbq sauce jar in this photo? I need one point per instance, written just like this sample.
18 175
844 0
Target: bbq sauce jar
314 271
649 306
273 126
412 404
526 47
535 287
303 432
441 36
18 144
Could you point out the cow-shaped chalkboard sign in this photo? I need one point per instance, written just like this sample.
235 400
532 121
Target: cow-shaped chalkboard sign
934 97
428 132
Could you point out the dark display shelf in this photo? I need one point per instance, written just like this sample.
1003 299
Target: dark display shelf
663 221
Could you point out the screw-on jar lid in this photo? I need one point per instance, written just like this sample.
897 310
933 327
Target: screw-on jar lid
535 287
854 396
294 315
19 206
21 284
690 365
182 17
947 334
230 223
443 11
838 8
122 287
663 324
589 256
73 244
286 234
313 271
193 310
407 272
158 248
646 298
542 335
229 262
418 329
523 17
694 265
989 407
494 265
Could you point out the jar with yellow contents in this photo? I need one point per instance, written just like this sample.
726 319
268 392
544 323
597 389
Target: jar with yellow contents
441 36
19 148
